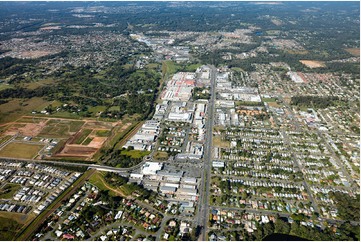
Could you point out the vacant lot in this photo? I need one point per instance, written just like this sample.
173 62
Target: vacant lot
81 136
160 155
56 128
30 119
313 63
20 150
76 151
218 142
353 51
102 133
16 108
273 104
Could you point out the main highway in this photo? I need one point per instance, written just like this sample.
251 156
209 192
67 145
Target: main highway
203 212
67 163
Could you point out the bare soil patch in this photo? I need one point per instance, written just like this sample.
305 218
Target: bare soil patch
97 142
76 151
313 63
36 53
353 51
32 129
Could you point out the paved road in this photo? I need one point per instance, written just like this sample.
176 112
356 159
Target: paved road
202 215
337 160
90 166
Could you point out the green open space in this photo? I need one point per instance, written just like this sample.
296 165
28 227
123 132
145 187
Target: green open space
135 153
82 136
268 100
87 141
16 108
20 150
114 108
102 133
8 228
97 109
28 119
60 128
97 179
7 191
5 86
4 139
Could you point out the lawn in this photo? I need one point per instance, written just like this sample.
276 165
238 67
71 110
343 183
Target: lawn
8 191
82 137
135 153
20 150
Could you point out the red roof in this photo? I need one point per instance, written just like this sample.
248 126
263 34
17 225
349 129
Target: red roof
68 236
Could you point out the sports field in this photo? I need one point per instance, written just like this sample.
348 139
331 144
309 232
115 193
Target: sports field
20 150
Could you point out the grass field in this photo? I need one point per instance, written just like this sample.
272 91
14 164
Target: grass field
28 119
353 51
5 86
168 68
268 100
37 84
97 179
97 109
8 228
82 136
273 104
160 155
87 141
273 32
114 108
16 108
135 153
20 150
55 131
61 115
8 191
102 133
4 139
218 142
60 128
